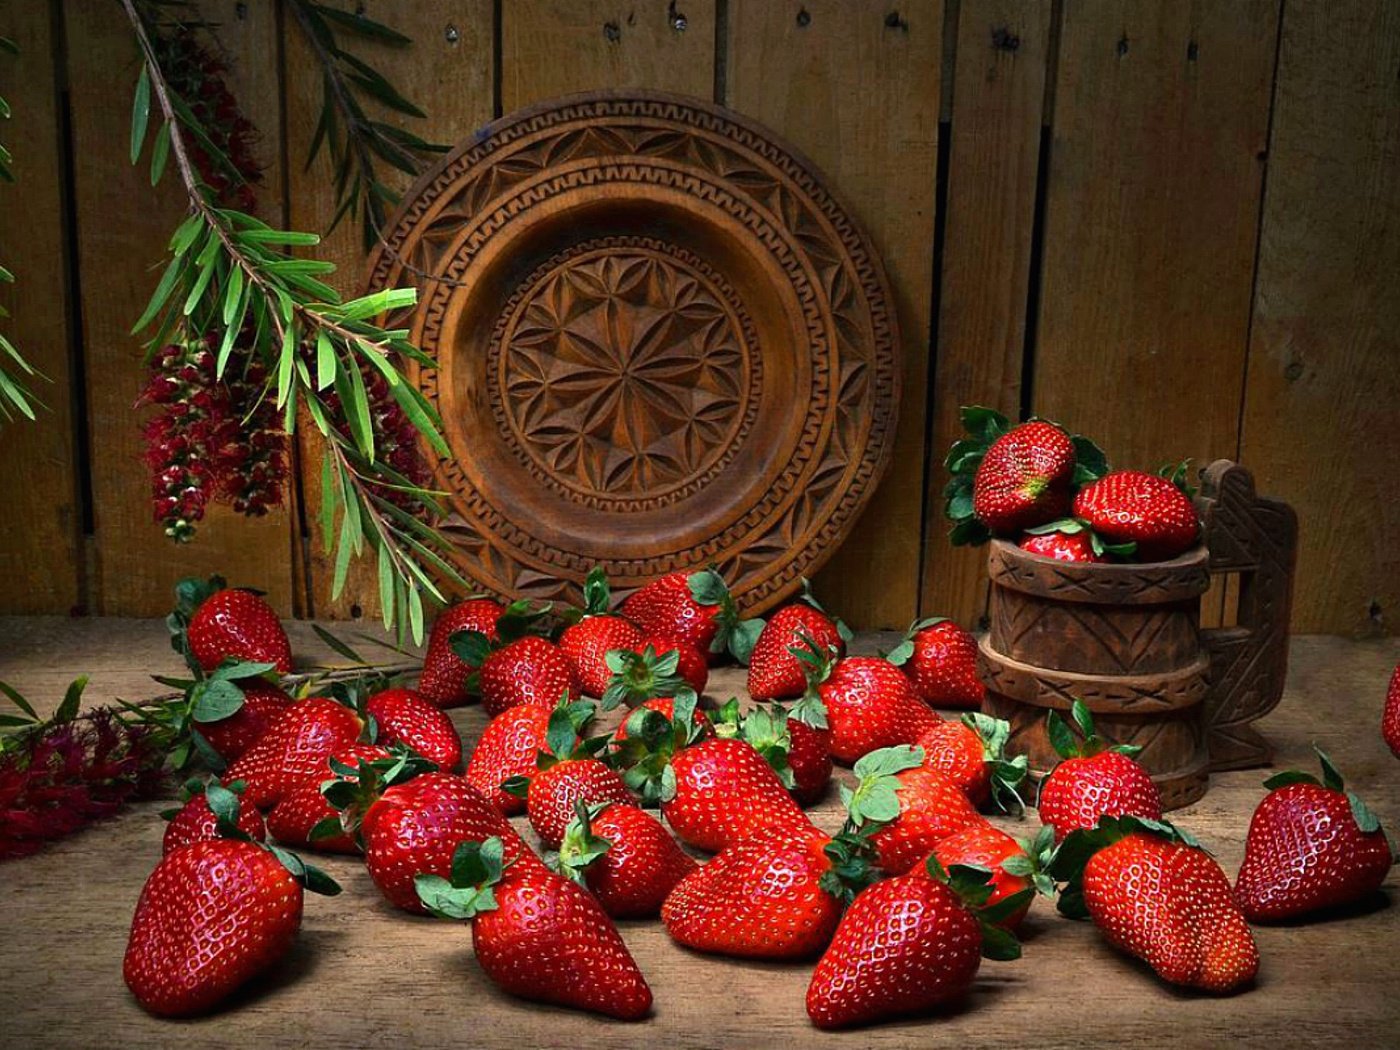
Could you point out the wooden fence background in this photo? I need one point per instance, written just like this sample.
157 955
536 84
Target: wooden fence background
1172 225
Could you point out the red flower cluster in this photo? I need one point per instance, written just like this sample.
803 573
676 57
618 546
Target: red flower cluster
213 438
70 774
197 76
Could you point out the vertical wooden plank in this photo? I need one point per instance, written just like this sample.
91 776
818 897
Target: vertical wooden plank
448 73
556 47
856 88
1159 125
123 226
993 165
41 557
1324 363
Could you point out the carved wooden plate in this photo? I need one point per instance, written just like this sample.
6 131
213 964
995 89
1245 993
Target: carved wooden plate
661 343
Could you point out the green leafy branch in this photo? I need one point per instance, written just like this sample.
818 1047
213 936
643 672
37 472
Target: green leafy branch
230 272
14 395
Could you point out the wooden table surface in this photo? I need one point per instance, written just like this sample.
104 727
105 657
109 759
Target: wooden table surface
365 974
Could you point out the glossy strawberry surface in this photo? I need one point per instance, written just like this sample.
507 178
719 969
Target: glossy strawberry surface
1390 716
444 679
587 643
931 807
1129 506
1079 791
297 748
774 672
1024 478
955 750
405 717
642 864
870 704
983 845
508 747
725 790
667 607
263 704
555 790
943 667
529 670
195 822
1070 547
239 624
291 821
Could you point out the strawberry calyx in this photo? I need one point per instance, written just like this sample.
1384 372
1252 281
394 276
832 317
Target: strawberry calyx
707 588
597 598
580 848
973 885
852 857
817 664
1062 737
1033 862
1007 774
190 593
1366 820
652 740
641 676
764 730
354 789
477 867
1067 863
875 800
520 619
207 697
197 786
1179 474
1075 526
564 741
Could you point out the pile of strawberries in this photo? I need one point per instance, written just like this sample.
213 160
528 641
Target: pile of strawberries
898 906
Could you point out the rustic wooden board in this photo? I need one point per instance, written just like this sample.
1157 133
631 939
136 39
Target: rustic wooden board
123 227
47 553
1324 363
447 72
1003 51
558 47
1159 126
67 912
805 70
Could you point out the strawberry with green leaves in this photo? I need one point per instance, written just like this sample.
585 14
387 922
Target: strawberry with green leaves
972 754
205 805
695 607
692 665
1071 540
597 632
1311 846
305 819
940 659
796 743
512 663
665 706
905 807
1094 780
1015 866
775 672
624 856
537 934
1390 715
1156 894
909 944
404 717
295 749
220 714
568 772
1148 511
642 675
213 915
869 703
213 622
446 679
507 752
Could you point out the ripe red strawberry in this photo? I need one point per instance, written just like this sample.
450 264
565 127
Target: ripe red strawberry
1094 780
1311 846
940 659
305 819
197 821
1015 866
529 670
404 717
869 704
212 916
773 894
665 706
798 750
691 664
723 790
509 747
1157 896
445 677
775 672
906 945
905 807
1061 546
1390 719
587 643
213 622
972 754
263 704
556 788
624 856
1024 478
537 934
297 748
695 607
643 675
1129 506
414 828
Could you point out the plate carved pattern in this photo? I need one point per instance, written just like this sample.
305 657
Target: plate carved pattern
634 368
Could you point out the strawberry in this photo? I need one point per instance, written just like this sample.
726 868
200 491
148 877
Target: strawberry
508 747
445 676
529 670
799 751
1069 539
624 856
402 716
1146 510
691 664
213 622
296 748
869 703
904 806
305 819
263 704
538 935
1390 718
1311 846
908 944
211 917
772 894
775 673
205 805
562 782
1155 894
940 659
645 675
972 754
586 644
695 607
1094 780
1015 866
662 705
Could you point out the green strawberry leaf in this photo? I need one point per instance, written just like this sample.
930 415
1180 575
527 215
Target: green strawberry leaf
223 803
707 587
517 785
1069 526
1090 463
232 669
216 700
969 533
1365 819
1062 738
325 828
1289 776
446 901
999 944
471 647
985 424
1331 776
597 595
959 506
744 638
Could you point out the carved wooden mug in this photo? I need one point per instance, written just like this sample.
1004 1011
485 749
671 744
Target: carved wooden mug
1127 640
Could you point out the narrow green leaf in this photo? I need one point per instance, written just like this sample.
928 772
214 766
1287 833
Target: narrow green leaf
386 585
284 363
233 293
162 292
160 153
140 112
325 360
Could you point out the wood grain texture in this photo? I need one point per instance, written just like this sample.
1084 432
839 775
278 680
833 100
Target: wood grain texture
1159 124
1003 51
1319 426
805 70
123 227
38 471
558 47
68 910
447 72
